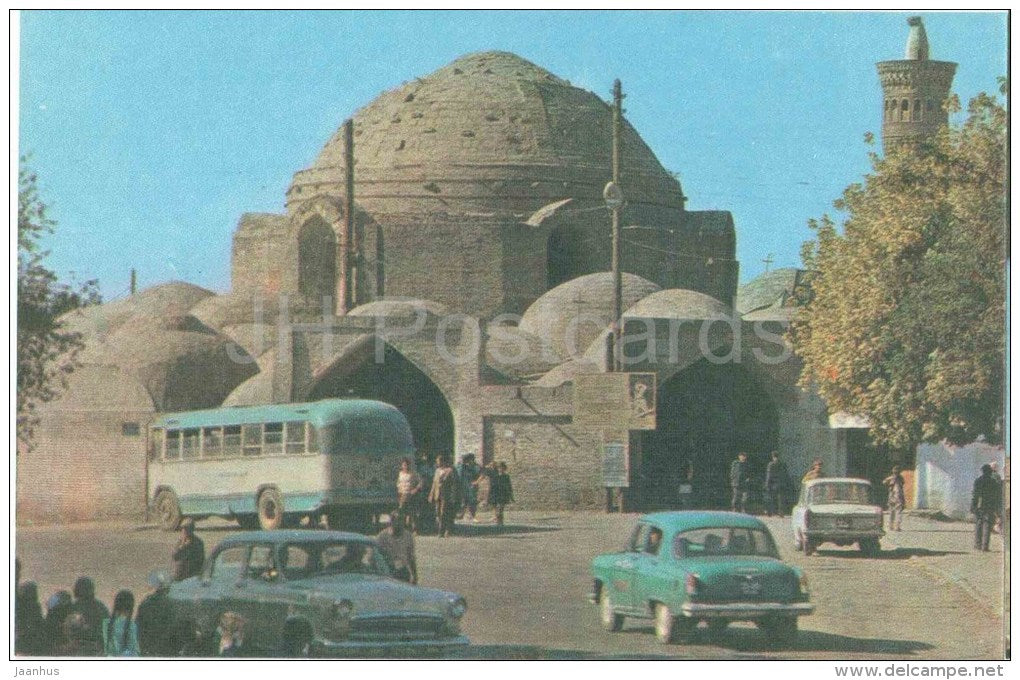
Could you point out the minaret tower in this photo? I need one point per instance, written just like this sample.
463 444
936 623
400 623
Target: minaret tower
914 90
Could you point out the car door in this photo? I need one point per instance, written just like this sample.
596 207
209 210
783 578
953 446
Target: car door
623 568
217 589
256 598
647 582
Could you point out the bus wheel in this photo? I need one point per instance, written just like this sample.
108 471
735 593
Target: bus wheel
168 510
270 505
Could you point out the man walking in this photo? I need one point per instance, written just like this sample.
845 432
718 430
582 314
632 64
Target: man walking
740 482
189 553
445 495
897 498
777 479
986 504
397 543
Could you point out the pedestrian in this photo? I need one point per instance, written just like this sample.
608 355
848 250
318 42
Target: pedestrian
740 483
156 634
397 543
297 639
93 613
29 625
468 471
897 498
685 489
74 637
483 484
502 492
777 481
426 519
998 480
189 553
445 495
231 628
58 607
120 632
814 472
409 488
986 504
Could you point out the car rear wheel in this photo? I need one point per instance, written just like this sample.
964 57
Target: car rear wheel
780 631
609 619
270 506
667 626
168 509
870 546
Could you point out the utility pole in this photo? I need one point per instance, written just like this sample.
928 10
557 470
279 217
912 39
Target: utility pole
614 199
134 281
354 256
344 280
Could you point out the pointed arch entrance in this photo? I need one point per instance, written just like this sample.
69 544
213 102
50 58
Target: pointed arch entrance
396 381
707 413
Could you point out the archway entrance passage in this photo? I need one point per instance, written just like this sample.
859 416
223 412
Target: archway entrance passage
399 382
316 260
707 413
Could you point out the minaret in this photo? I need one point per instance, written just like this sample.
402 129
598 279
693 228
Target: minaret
914 90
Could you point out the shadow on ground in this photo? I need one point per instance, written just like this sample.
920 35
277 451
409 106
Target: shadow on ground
894 554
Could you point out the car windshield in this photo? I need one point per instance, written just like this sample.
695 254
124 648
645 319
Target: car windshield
315 558
716 541
840 492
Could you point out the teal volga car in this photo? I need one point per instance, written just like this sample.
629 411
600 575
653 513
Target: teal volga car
680 568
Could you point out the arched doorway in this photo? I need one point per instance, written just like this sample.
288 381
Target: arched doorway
316 260
396 381
706 414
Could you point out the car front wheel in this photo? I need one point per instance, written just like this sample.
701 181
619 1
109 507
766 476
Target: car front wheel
610 620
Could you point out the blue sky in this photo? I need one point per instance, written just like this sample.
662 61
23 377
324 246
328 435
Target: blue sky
153 131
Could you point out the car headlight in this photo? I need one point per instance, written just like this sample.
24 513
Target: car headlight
457 607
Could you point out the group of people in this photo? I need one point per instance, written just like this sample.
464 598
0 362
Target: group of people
775 487
432 497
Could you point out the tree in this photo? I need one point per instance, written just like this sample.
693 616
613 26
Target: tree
906 324
46 350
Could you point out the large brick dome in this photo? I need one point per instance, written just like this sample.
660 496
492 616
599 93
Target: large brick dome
490 132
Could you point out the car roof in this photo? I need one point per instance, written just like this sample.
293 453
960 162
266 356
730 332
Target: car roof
293 536
840 480
702 519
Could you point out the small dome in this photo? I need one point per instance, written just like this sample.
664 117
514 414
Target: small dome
181 362
101 388
398 307
174 298
678 303
767 290
518 354
254 391
571 315
235 309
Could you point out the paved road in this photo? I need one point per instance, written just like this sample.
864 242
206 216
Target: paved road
927 596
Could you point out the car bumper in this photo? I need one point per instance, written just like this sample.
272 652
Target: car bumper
387 647
843 534
745 610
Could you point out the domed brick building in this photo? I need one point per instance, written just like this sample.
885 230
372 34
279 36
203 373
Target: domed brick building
448 252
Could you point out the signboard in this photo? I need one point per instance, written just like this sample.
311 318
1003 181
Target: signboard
615 470
615 401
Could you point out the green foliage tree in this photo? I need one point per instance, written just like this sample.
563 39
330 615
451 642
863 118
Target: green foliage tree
906 324
46 350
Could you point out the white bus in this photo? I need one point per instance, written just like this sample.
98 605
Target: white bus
271 466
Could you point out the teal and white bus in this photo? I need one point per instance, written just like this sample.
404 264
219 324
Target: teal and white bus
272 466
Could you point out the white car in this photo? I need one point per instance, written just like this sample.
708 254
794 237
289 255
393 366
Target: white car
837 510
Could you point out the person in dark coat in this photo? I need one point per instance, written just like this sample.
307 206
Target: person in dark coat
29 625
189 553
156 633
777 481
58 607
986 504
502 492
740 482
93 613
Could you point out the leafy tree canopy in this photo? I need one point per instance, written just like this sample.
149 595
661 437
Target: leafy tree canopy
46 350
906 325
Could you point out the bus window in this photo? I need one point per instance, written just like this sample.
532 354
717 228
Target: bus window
173 445
273 440
313 439
251 440
295 437
155 443
212 442
189 444
232 440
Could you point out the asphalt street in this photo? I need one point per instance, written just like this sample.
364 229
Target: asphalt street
927 596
